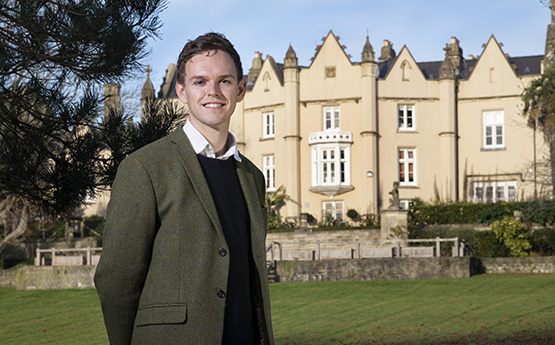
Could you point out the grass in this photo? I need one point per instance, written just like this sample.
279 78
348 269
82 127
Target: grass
51 317
487 309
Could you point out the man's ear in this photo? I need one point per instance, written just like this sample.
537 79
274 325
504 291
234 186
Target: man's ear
180 90
242 90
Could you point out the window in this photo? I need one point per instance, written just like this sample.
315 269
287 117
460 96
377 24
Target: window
406 118
494 191
331 165
269 169
332 210
404 204
407 167
494 137
268 125
331 118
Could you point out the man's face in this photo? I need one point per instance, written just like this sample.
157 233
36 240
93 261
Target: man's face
211 90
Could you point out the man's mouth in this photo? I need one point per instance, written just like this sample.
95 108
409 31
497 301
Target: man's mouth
213 105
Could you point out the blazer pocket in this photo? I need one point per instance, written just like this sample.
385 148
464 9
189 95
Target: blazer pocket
161 315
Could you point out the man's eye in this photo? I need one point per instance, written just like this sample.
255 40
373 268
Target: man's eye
198 82
225 81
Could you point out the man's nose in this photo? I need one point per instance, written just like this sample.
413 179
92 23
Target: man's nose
214 89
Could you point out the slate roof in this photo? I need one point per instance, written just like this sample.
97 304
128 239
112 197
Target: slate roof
524 65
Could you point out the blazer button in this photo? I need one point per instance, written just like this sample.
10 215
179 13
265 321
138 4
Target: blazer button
221 293
222 252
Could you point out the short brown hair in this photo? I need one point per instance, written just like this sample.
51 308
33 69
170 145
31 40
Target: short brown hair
205 43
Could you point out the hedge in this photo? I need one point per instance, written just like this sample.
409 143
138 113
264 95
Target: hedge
538 212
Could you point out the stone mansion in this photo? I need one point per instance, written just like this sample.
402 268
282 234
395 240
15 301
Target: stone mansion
338 133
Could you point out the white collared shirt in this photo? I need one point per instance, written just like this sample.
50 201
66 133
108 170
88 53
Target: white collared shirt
203 147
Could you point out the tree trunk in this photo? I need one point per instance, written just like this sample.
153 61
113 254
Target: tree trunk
19 227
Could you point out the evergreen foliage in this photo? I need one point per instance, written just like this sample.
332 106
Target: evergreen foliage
539 108
56 148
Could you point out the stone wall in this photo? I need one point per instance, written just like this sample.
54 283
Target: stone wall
372 269
541 264
73 277
54 277
7 278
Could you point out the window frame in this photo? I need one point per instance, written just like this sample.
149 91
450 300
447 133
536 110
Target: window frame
404 108
331 165
488 191
334 118
268 124
334 214
492 122
269 171
404 166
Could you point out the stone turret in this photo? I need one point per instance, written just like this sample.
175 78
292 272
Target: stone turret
292 133
368 52
112 97
549 58
387 51
454 53
256 67
148 88
291 58
446 70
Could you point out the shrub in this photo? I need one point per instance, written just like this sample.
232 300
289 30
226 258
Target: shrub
465 234
486 245
543 242
353 214
93 225
540 212
513 234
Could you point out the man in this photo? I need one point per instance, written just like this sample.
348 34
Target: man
183 260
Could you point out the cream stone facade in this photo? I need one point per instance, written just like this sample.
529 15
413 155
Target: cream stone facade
339 133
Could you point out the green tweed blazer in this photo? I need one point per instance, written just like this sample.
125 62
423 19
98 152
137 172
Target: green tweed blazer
162 271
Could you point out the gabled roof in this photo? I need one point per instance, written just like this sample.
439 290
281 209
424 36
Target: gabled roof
525 65
276 67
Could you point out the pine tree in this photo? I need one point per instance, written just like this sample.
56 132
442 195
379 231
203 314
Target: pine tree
56 147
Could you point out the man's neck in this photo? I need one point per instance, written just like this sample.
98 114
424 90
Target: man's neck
217 137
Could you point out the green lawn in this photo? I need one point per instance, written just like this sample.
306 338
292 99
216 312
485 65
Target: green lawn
487 309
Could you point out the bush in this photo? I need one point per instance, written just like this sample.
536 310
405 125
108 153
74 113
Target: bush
94 225
513 234
353 214
486 245
465 234
459 213
540 212
543 242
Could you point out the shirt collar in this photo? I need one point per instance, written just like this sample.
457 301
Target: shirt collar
203 147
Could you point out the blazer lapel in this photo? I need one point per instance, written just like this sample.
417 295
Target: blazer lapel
190 163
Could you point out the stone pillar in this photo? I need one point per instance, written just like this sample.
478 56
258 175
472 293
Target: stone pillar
448 180
292 135
394 224
448 140
369 132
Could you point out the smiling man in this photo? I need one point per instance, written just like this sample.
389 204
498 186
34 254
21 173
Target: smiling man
184 256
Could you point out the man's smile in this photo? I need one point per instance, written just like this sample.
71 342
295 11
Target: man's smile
213 105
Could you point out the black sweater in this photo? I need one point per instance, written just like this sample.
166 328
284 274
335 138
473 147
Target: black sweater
234 217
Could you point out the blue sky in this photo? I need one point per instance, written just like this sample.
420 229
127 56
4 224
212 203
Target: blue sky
424 26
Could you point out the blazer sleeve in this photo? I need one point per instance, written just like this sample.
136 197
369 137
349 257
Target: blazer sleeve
127 243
